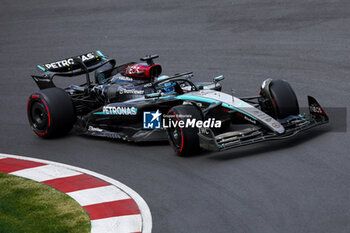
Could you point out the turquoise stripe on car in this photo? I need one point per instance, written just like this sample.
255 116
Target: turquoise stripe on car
102 56
99 53
40 67
197 98
208 100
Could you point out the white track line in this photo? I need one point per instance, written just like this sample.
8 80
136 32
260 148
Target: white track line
99 226
98 195
122 224
46 172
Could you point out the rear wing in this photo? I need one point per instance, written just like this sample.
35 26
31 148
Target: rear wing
69 67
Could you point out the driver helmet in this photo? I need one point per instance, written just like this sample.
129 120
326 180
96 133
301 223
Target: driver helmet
169 87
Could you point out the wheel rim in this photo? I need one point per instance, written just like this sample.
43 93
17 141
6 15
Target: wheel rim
175 137
38 116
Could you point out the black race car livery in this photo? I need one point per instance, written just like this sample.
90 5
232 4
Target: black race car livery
135 102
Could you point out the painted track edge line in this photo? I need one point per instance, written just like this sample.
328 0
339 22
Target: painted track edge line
144 209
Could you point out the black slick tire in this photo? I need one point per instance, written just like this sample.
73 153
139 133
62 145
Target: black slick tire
184 141
281 99
50 112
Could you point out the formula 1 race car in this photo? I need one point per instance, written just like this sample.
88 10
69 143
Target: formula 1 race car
135 102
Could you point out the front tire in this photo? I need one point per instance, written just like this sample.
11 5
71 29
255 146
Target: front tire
50 112
184 141
281 100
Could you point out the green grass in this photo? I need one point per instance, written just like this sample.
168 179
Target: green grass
27 206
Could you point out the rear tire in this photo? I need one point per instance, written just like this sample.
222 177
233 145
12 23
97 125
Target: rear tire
50 112
184 141
281 99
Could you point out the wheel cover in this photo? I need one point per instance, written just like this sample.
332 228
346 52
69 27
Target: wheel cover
176 137
38 116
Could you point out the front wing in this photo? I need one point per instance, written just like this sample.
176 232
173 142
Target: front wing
292 124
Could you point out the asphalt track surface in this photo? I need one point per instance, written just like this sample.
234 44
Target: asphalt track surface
298 185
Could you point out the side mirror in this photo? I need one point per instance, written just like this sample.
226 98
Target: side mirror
153 95
218 79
